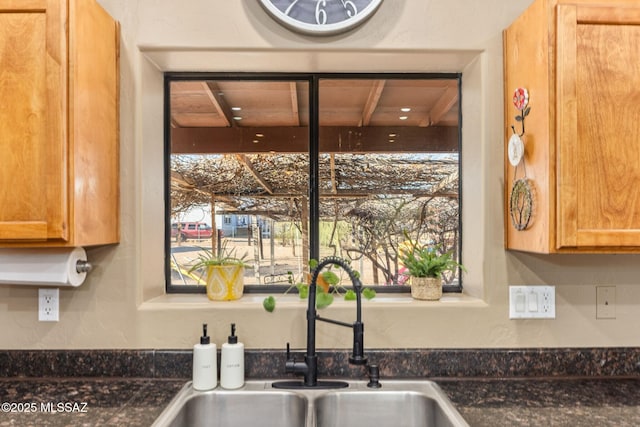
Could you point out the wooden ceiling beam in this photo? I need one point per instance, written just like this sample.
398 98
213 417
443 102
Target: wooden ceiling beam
442 106
332 165
213 92
333 139
242 158
180 181
372 102
446 182
295 111
343 194
274 213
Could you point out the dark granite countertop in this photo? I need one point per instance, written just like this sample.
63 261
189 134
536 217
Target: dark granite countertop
572 402
84 401
490 387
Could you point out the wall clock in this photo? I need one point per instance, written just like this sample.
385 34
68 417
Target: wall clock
321 17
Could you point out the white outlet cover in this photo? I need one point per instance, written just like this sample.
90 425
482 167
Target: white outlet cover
49 304
605 302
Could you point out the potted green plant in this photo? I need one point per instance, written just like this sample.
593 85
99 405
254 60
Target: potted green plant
328 286
425 264
223 272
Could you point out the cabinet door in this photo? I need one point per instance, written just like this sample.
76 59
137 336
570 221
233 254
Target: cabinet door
33 143
598 126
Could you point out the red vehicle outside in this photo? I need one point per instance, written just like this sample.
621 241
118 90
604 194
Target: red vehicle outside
191 230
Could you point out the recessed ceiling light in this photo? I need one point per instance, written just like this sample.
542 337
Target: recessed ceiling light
237 118
255 141
236 108
259 135
392 140
403 117
405 109
392 135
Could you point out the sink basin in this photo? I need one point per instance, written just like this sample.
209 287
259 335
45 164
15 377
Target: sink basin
406 403
222 408
380 409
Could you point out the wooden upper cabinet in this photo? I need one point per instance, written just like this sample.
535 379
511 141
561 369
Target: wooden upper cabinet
582 134
59 139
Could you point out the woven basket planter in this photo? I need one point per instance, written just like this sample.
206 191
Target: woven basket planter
426 288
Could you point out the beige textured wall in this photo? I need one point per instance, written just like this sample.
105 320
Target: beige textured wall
121 305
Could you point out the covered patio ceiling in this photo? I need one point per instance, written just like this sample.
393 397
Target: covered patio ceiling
243 144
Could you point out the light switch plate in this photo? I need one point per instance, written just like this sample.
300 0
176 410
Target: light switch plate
532 302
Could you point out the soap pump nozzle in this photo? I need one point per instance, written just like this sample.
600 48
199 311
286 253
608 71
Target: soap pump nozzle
233 339
204 339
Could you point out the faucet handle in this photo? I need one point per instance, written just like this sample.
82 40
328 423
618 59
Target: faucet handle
290 361
293 366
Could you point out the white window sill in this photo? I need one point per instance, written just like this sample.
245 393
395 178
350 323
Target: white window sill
254 301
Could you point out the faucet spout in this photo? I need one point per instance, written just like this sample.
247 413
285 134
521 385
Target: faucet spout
309 368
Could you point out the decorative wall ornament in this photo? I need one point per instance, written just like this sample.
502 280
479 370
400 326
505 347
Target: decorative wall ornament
521 102
521 201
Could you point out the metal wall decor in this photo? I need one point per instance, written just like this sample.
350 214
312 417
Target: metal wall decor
521 204
521 200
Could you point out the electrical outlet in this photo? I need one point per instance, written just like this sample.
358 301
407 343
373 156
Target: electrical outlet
49 304
605 302
548 305
532 302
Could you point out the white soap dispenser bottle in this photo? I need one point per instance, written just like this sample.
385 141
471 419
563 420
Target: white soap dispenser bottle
232 362
205 363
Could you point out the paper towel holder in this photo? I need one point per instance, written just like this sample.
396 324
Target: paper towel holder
83 266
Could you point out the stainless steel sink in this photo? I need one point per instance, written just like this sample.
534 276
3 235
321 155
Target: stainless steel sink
405 403
381 409
250 406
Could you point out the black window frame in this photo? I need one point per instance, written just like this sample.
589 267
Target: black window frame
313 80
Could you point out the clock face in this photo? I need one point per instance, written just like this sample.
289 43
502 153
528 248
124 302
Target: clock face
321 17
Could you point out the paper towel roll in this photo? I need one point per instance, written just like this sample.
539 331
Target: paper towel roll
43 267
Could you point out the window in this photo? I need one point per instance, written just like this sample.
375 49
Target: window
284 168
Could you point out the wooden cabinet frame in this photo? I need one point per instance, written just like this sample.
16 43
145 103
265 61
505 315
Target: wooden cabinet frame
582 145
60 138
